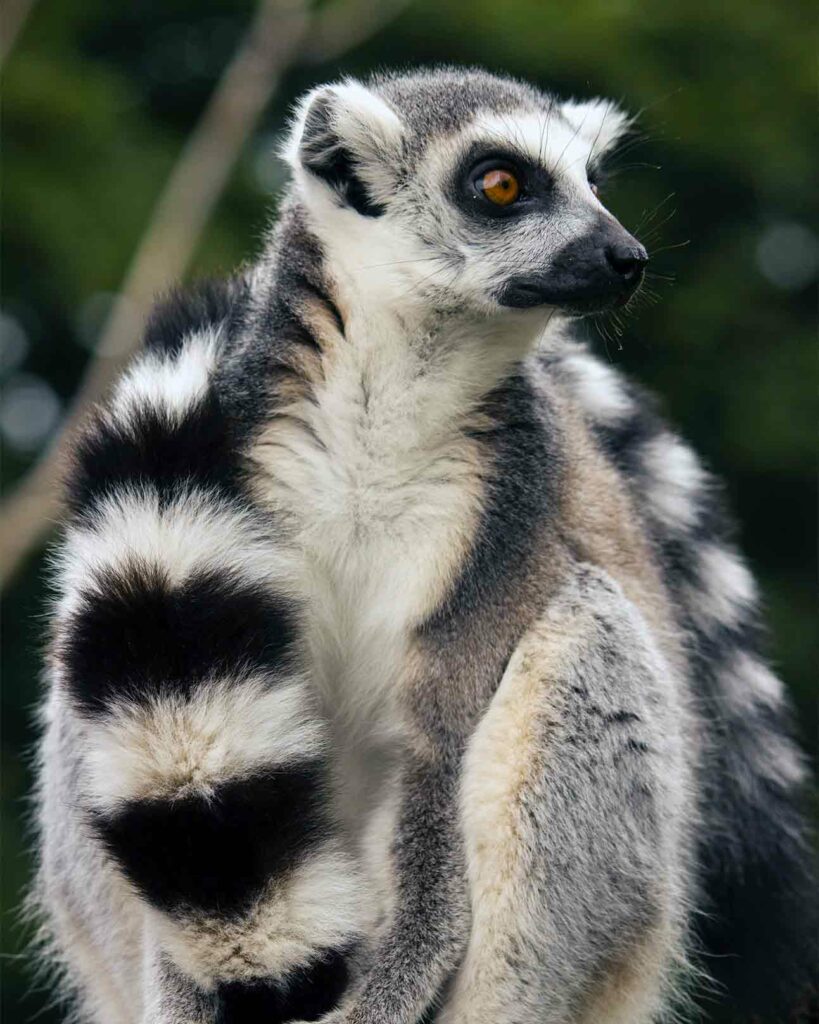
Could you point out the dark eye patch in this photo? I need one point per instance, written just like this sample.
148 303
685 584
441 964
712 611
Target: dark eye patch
535 182
597 174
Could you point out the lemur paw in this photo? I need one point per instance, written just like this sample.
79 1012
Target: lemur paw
350 1012
333 1017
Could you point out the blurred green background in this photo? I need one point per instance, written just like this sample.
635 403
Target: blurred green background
98 98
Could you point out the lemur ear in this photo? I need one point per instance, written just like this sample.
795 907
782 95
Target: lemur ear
350 138
599 121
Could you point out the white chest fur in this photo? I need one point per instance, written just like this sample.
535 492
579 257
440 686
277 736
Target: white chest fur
379 489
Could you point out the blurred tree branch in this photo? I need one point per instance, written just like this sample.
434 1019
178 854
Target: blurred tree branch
345 24
282 33
13 16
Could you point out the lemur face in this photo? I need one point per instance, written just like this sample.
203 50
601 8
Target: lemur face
467 191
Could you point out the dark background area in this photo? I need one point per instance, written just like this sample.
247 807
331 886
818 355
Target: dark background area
98 98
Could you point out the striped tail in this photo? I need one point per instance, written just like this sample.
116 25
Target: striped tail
758 933
177 650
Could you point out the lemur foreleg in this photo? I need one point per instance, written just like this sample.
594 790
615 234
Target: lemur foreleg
430 924
573 803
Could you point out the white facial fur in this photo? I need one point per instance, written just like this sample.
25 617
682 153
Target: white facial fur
425 249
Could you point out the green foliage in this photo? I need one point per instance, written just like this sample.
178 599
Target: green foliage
99 97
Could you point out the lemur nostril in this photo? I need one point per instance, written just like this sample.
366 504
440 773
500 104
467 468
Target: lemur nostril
627 260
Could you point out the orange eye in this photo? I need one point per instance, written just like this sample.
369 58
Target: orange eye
499 186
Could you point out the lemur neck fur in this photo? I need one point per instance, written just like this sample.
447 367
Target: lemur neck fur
378 466
411 347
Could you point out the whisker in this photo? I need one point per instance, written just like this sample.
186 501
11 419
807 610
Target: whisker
661 99
602 329
652 234
647 215
666 248
590 157
398 263
571 140
540 151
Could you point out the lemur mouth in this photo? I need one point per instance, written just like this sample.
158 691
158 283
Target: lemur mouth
583 300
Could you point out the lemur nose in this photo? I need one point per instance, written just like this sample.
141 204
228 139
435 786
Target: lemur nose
627 259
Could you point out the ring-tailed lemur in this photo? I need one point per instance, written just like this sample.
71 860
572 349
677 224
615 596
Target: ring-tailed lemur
401 665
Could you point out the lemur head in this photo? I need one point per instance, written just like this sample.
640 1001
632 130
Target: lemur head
466 190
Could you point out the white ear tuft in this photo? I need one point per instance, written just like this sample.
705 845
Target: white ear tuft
599 121
348 136
364 118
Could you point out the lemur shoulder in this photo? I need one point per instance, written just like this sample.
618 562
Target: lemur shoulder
402 664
